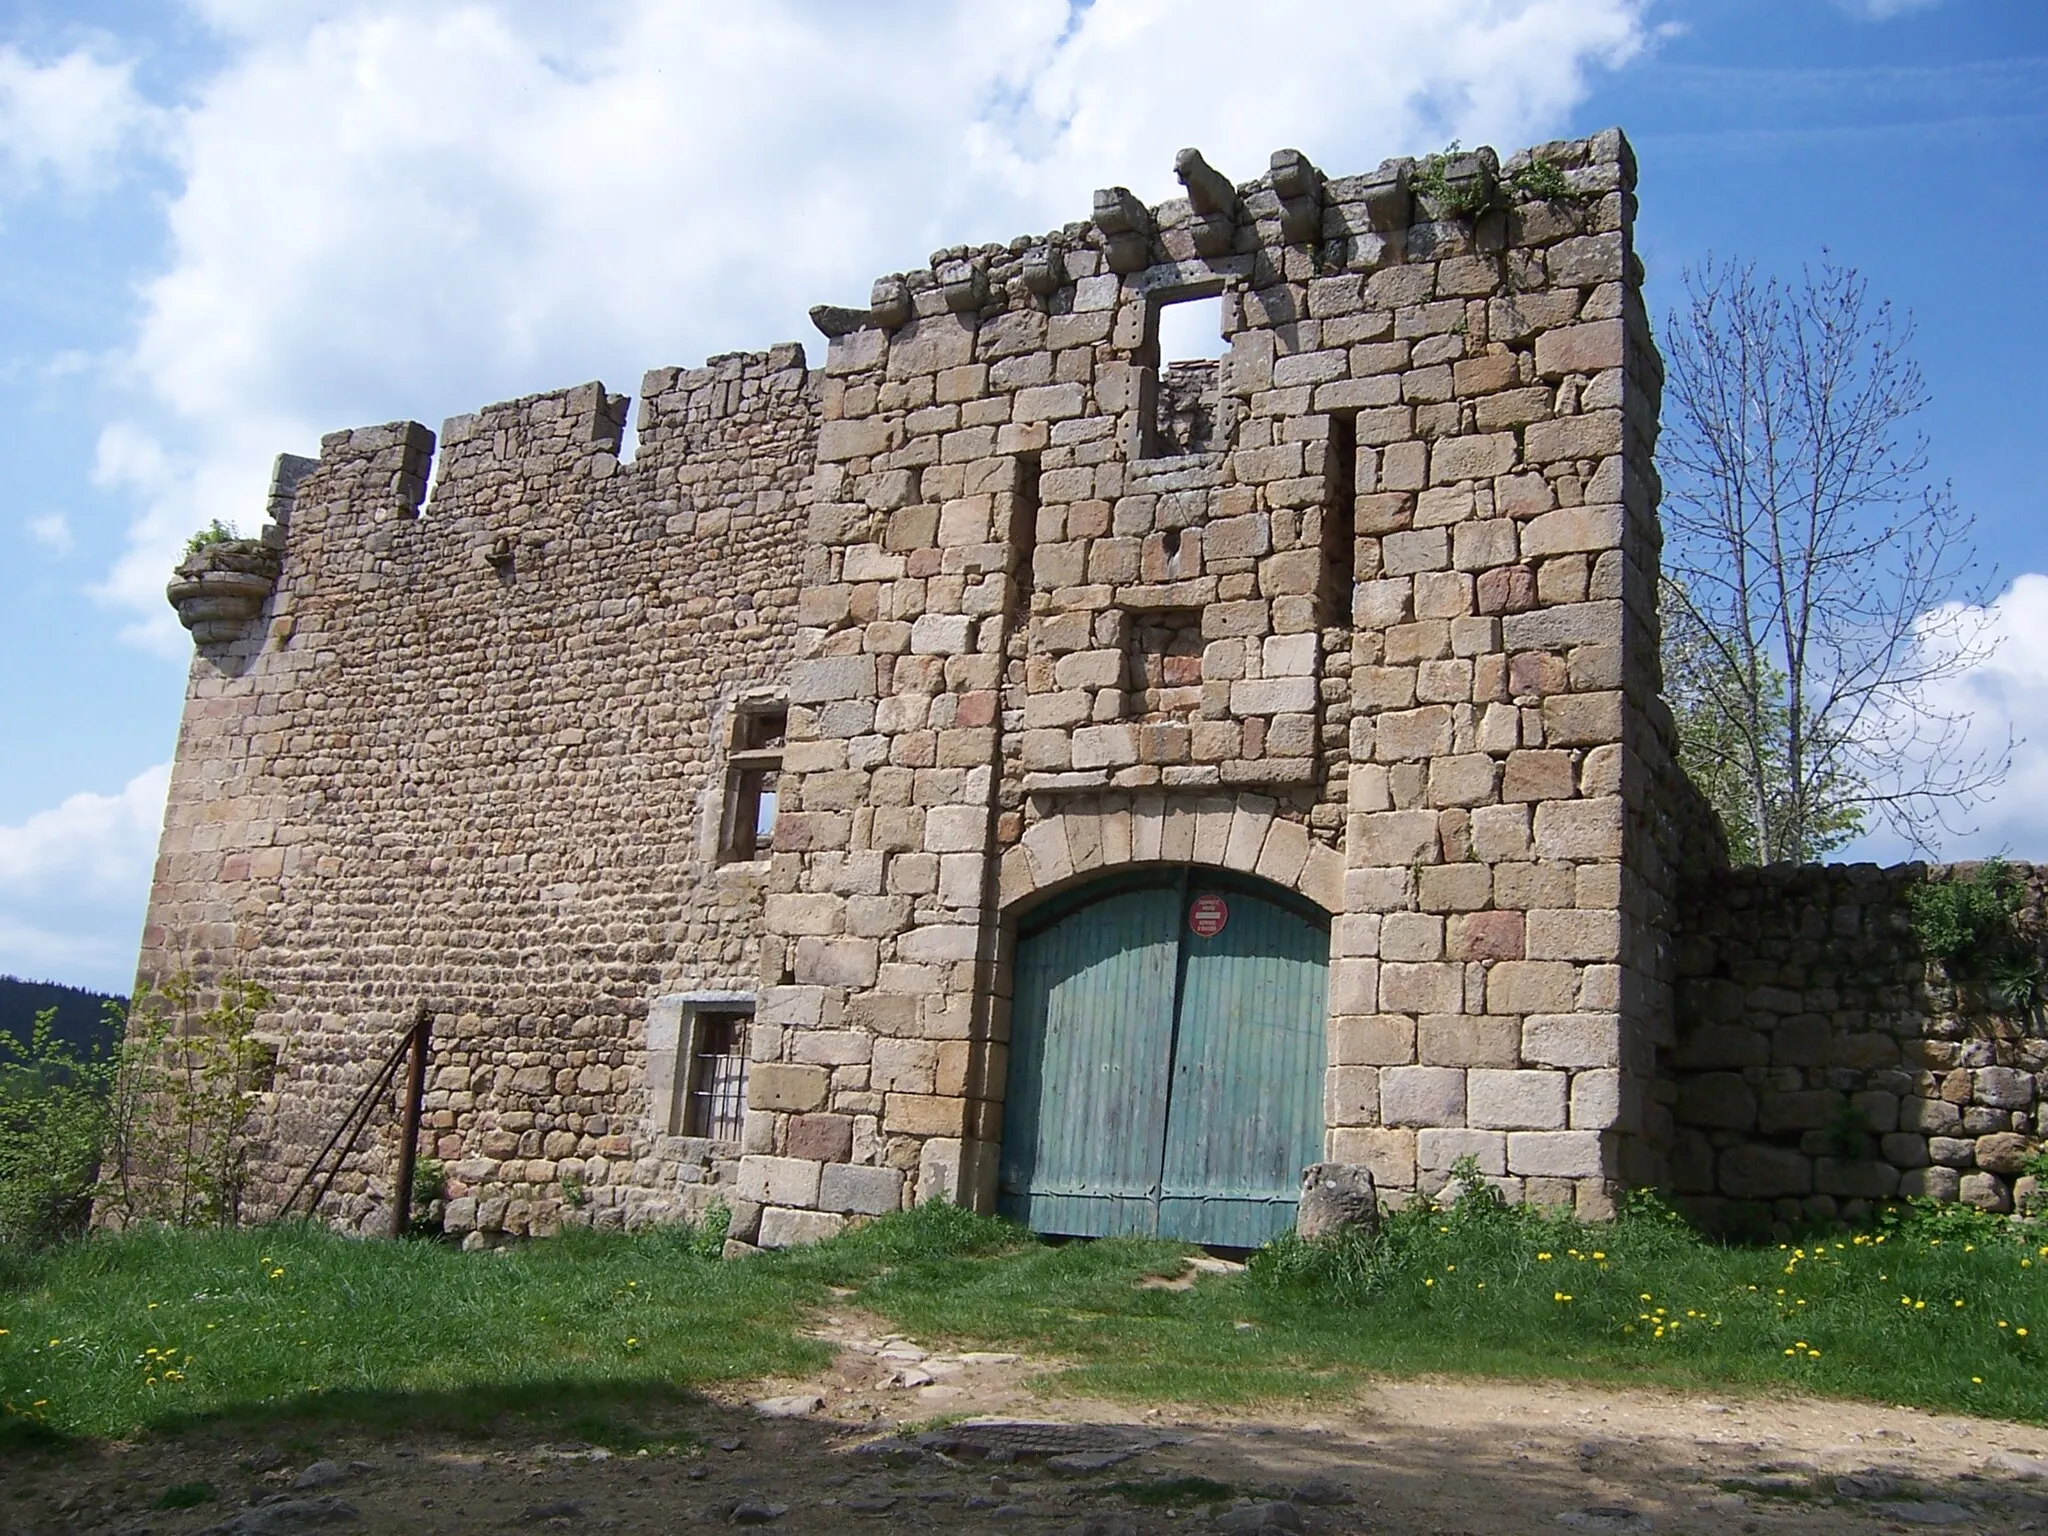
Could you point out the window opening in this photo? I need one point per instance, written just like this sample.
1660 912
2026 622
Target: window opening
1340 519
753 766
1024 530
1191 331
1186 353
716 1107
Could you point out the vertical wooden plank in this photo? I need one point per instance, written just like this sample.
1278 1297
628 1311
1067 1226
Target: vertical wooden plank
1091 1040
1246 1112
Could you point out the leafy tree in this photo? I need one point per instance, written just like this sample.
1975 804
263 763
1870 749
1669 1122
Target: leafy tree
1813 573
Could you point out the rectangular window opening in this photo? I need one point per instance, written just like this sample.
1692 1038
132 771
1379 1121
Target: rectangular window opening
716 1104
1340 519
753 766
1186 355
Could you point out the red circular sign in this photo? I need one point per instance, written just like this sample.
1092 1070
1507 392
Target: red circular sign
1207 915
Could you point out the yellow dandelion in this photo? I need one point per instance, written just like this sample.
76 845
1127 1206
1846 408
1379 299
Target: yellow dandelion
1560 1296
2021 1332
1429 1280
1978 1380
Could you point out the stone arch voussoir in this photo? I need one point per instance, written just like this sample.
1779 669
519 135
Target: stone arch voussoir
1223 831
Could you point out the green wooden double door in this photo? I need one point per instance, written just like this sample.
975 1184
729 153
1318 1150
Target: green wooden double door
1166 1068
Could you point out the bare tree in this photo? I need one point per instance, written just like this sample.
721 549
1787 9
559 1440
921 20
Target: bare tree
1814 595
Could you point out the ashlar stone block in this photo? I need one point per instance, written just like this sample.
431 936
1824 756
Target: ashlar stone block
1515 1100
1422 1096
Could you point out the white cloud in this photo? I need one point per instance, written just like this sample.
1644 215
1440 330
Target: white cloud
67 121
73 880
53 532
2003 696
392 210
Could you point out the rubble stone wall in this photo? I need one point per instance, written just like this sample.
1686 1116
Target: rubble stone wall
467 754
1823 1063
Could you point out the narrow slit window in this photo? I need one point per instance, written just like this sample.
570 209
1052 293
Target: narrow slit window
1340 519
753 767
717 1105
1024 530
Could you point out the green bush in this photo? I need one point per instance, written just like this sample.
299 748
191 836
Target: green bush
53 1122
185 1084
1962 921
1970 924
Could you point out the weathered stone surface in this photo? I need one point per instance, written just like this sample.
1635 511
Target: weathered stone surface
1336 1197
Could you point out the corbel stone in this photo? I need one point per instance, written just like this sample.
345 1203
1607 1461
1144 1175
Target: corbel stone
1213 200
835 320
964 283
1126 226
1045 269
220 587
1387 198
889 302
1299 186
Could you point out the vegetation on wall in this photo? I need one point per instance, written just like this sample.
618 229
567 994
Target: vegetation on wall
1971 925
1466 196
215 532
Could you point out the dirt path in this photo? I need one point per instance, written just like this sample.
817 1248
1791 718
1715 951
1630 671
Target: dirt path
853 1449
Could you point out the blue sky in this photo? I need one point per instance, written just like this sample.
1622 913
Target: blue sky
229 225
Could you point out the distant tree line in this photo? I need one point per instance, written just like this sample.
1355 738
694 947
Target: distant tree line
78 1019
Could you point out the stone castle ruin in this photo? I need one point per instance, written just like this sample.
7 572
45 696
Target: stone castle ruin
1008 766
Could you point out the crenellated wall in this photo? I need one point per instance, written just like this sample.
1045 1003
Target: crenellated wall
466 754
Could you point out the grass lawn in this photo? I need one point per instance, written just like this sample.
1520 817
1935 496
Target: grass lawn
593 1336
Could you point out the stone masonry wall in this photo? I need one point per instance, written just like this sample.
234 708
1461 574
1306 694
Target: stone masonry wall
468 754
1366 608
1822 1064
1376 622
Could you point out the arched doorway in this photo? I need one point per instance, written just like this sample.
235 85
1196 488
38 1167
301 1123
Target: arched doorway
1166 1058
